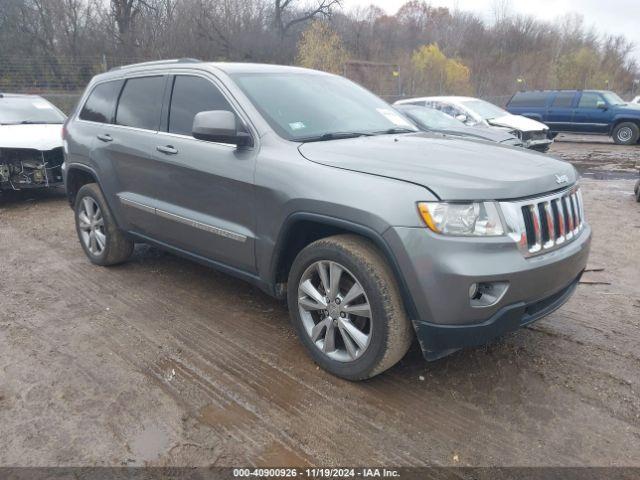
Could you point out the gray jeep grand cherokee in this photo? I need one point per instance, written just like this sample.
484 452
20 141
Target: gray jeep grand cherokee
317 191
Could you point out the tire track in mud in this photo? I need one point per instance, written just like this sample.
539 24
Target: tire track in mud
242 378
96 287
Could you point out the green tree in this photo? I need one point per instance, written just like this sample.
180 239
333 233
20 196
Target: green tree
433 73
321 48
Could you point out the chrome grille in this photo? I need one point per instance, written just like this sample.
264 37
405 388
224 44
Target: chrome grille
545 223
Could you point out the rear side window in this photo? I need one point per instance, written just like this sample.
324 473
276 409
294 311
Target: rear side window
192 95
589 100
563 99
140 103
529 99
99 105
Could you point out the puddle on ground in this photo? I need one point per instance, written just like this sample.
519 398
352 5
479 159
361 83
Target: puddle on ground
149 444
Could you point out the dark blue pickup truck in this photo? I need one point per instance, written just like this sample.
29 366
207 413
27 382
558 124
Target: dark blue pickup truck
581 111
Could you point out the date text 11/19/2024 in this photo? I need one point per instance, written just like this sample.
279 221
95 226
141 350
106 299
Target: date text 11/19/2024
316 472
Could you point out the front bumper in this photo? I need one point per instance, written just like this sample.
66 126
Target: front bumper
537 144
440 340
439 271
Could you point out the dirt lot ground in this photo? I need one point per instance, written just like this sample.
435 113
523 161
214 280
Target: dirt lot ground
164 362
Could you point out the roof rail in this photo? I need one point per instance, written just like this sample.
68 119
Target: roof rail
157 62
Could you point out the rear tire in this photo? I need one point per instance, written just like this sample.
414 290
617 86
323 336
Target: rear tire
626 133
101 239
326 330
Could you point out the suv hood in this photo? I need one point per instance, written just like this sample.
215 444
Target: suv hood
518 122
37 137
633 108
452 169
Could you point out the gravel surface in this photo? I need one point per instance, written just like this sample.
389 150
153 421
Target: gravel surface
164 362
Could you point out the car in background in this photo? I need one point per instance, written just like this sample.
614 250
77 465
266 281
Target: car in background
597 112
479 113
31 153
636 100
431 120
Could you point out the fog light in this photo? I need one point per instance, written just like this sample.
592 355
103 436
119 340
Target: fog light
487 294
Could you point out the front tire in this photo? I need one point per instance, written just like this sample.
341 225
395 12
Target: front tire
626 133
101 239
346 307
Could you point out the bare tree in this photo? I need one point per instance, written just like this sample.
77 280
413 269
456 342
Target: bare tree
285 15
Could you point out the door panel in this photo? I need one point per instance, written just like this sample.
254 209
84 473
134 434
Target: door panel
206 205
559 115
131 153
202 192
588 118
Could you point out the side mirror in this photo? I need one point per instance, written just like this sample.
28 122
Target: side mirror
219 126
462 118
601 105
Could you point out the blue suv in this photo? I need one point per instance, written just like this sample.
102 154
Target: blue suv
581 111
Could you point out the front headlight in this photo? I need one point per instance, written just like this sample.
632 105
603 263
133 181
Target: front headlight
466 219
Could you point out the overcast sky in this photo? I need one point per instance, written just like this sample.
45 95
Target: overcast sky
620 17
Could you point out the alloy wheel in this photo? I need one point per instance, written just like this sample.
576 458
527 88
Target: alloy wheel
625 134
335 311
91 225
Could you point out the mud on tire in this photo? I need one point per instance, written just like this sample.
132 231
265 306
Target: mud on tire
391 332
117 247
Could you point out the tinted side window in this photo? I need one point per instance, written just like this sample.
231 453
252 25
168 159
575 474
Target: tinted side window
190 96
589 100
529 99
140 103
99 105
563 99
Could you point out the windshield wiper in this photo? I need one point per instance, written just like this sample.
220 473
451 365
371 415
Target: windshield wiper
391 131
334 136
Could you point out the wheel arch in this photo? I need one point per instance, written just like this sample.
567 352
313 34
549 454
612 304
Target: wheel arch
76 176
618 120
300 229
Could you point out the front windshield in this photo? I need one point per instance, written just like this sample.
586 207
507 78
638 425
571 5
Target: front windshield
432 119
27 110
485 110
308 106
612 98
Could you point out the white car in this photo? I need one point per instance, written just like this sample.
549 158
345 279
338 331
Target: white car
31 153
636 100
476 112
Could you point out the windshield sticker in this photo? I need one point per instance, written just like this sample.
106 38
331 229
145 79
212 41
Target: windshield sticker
394 117
297 126
42 105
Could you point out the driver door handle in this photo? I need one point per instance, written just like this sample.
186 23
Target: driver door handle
168 149
105 137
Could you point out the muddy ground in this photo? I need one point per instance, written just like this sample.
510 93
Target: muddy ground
164 362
